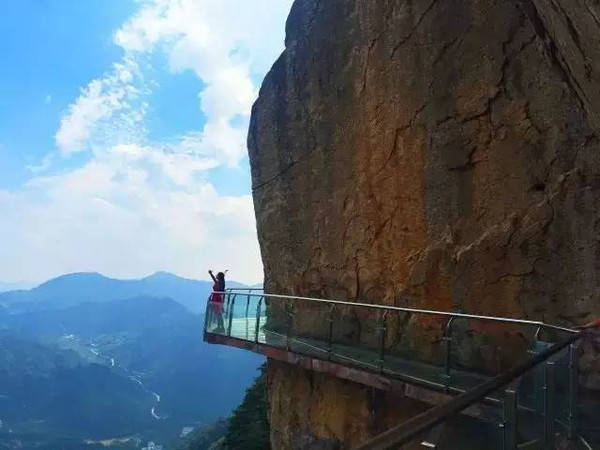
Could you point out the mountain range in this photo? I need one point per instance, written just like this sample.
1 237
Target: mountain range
86 358
71 289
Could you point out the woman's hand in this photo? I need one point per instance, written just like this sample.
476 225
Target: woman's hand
589 325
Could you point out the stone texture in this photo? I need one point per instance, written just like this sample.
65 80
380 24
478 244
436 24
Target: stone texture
433 153
310 410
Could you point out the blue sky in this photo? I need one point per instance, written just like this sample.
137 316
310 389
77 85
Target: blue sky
122 135
49 48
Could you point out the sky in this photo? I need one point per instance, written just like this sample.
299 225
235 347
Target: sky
123 135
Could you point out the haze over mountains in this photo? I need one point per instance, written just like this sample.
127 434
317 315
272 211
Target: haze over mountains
84 357
13 286
71 289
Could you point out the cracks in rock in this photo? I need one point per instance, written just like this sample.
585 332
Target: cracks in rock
385 223
369 49
501 84
347 228
283 171
556 58
571 27
448 45
527 273
393 150
410 34
589 140
501 90
529 119
593 13
397 134
468 165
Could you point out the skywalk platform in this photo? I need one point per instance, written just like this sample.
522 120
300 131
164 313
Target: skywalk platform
534 410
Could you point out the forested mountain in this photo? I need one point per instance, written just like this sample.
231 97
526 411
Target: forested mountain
50 392
247 428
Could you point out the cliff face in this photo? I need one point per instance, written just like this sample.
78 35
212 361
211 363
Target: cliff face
433 153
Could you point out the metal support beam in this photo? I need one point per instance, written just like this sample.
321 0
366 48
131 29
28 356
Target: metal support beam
549 404
257 326
290 320
330 334
231 308
382 330
447 340
511 416
246 316
573 389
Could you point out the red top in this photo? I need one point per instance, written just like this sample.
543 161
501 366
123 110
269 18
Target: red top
216 300
216 297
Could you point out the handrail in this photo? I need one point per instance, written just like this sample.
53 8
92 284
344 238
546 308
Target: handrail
243 289
424 422
417 311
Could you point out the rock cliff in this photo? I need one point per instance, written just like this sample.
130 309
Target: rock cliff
432 153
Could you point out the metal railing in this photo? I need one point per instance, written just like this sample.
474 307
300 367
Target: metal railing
235 291
249 289
417 426
372 337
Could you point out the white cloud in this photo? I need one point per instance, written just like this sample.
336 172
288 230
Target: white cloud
224 43
43 165
128 212
101 100
138 206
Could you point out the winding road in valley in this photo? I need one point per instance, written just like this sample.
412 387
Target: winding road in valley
113 363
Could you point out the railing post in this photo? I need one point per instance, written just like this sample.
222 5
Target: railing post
573 388
289 308
231 307
538 377
228 295
447 339
330 334
257 328
549 403
382 330
207 316
511 416
246 315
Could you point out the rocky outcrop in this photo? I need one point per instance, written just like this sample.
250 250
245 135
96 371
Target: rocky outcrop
432 153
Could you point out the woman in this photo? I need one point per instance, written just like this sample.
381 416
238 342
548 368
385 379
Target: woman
217 299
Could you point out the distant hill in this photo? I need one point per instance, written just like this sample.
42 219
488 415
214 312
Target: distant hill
76 288
87 320
5 286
